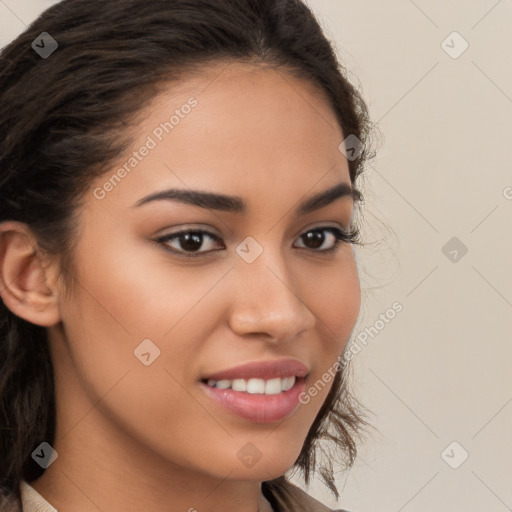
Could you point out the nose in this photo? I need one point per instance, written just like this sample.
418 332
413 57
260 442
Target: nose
269 301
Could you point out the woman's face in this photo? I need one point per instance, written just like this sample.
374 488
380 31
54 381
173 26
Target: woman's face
150 320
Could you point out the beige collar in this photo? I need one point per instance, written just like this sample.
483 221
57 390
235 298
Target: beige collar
32 501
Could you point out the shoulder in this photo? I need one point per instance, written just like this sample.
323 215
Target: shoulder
287 497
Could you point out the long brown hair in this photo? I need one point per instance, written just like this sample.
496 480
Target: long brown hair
63 120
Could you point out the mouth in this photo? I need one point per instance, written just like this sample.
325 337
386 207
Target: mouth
255 386
258 391
256 400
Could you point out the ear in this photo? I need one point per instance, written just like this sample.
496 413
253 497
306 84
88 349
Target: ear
28 284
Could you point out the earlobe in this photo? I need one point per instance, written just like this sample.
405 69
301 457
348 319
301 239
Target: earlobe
27 285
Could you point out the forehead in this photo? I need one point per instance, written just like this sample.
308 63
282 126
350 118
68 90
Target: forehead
237 128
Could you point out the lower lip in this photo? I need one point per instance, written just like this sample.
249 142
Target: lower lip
258 408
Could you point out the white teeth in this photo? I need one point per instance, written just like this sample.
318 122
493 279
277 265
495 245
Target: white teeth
255 386
288 383
239 385
273 386
222 384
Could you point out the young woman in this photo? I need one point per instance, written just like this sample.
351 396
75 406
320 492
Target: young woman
177 225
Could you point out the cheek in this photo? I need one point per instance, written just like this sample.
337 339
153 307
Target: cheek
334 296
124 297
118 304
335 300
135 289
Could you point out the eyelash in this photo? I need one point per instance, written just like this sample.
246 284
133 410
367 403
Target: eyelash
341 236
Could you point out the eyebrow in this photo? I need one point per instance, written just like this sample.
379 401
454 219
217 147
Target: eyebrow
236 204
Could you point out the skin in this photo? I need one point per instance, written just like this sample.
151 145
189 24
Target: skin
132 437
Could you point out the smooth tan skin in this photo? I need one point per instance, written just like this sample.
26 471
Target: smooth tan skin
132 437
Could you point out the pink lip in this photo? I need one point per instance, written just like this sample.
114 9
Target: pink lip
262 370
258 408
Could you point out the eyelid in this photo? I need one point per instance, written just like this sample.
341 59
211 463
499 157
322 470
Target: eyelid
185 228
325 224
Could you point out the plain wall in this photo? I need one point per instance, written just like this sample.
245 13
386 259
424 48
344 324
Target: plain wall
438 372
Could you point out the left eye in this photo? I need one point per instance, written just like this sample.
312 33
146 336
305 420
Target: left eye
190 241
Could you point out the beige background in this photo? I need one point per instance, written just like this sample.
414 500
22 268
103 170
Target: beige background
439 371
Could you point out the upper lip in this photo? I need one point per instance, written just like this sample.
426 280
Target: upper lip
262 370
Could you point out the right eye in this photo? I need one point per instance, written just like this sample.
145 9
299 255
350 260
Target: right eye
188 241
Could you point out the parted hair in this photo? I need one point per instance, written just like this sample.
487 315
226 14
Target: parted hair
63 121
